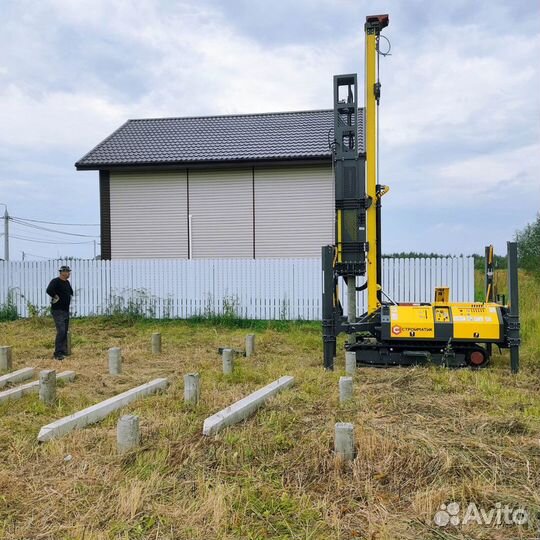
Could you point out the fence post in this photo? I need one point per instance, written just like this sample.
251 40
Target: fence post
47 386
250 344
350 362
115 360
156 343
5 359
128 435
228 361
192 388
345 389
344 441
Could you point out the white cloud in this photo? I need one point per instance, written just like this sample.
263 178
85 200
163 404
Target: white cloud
461 84
485 175
14 184
56 119
504 177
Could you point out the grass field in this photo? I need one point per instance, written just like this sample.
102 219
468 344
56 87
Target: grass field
425 436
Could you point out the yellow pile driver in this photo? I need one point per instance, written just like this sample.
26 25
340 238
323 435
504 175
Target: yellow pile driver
447 333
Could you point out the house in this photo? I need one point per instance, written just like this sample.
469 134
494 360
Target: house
254 185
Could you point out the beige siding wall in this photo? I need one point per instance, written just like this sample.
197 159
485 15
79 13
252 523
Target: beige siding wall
294 211
221 206
149 215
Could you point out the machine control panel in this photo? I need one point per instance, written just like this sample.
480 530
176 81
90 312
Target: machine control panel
442 315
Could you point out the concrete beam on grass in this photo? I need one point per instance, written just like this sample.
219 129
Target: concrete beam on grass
100 410
245 407
29 388
17 376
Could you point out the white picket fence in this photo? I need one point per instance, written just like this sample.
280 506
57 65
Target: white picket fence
255 289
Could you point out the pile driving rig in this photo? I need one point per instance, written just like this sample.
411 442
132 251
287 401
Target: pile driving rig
390 334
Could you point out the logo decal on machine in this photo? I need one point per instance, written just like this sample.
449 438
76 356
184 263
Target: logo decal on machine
396 329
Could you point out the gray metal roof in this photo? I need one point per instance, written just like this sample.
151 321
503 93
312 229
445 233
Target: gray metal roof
302 135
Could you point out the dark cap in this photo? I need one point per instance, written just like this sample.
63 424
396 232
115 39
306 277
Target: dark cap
65 269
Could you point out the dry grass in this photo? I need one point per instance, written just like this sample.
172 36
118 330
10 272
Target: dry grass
425 436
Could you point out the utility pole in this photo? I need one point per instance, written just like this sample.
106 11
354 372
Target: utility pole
6 232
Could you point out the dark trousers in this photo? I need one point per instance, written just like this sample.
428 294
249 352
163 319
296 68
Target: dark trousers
61 321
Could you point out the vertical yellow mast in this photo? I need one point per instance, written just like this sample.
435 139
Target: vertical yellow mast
373 27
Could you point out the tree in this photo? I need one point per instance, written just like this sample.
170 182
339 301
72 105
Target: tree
528 241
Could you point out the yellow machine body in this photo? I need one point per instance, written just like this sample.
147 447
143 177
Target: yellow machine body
456 321
412 322
477 321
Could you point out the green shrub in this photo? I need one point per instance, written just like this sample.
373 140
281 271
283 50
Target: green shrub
8 311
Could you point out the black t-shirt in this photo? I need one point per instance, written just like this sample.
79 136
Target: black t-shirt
62 289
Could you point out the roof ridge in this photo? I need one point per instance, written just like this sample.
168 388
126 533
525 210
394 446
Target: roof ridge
277 113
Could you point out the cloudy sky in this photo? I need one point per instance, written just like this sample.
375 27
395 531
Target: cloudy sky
460 108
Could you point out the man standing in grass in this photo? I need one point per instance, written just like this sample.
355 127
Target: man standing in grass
60 291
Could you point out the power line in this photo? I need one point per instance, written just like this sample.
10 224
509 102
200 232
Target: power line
34 255
30 225
46 238
39 241
57 223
